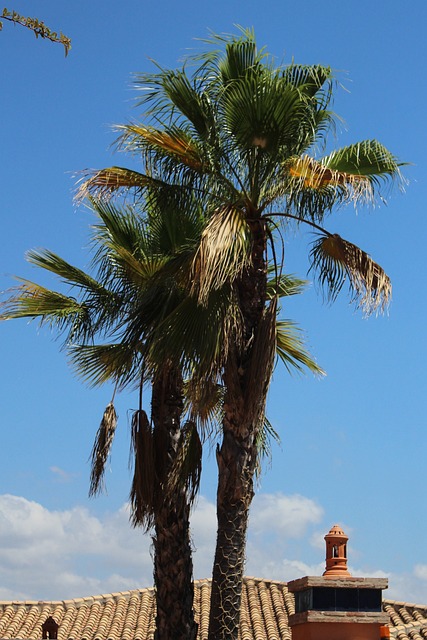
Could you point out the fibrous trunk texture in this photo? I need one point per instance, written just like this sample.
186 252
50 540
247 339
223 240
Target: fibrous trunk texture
237 456
173 566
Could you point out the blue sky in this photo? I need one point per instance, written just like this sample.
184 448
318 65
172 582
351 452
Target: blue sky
353 444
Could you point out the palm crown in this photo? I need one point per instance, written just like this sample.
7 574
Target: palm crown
241 133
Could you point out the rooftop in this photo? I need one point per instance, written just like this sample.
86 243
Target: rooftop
130 615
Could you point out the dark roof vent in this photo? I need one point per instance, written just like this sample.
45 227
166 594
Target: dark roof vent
50 628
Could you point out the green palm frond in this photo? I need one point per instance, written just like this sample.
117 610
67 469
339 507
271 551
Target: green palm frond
290 348
369 159
30 300
309 79
336 259
189 101
68 273
267 114
217 325
240 56
101 302
97 364
284 285
265 436
63 313
227 58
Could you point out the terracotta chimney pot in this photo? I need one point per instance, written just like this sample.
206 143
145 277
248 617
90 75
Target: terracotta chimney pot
336 553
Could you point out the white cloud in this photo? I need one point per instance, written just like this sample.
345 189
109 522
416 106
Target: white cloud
407 587
73 553
64 554
61 475
287 516
420 571
203 527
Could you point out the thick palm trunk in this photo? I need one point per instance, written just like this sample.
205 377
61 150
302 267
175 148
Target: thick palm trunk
236 465
237 456
173 575
173 566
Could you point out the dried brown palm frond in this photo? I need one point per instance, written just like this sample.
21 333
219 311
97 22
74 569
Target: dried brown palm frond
144 481
101 449
311 174
205 398
103 183
335 259
223 253
184 476
173 142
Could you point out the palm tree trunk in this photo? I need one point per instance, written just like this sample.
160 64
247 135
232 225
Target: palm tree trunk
173 575
236 465
237 456
173 566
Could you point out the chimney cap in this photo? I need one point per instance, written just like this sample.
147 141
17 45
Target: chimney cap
336 531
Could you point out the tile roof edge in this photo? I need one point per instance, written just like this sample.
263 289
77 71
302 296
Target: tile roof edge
401 603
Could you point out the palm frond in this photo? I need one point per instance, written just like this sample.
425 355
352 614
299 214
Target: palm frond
204 402
63 313
95 298
284 285
188 101
174 142
101 449
267 114
187 466
240 55
309 174
265 436
108 181
69 274
369 159
291 350
217 325
336 259
309 79
223 253
218 67
144 482
30 300
97 364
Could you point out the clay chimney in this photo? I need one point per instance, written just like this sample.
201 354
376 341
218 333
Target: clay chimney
336 605
336 553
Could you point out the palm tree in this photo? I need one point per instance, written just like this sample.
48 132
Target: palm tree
112 328
243 134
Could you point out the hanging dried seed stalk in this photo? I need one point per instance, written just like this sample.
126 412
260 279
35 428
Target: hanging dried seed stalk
142 493
101 449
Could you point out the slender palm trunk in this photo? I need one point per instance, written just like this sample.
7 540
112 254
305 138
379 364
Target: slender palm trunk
237 456
173 566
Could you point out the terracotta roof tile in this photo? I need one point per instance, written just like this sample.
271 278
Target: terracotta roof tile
130 615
